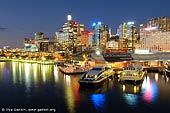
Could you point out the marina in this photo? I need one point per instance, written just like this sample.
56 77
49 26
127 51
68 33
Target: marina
62 92
85 57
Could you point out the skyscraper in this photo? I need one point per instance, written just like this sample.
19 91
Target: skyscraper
69 36
39 36
129 31
154 39
101 35
161 23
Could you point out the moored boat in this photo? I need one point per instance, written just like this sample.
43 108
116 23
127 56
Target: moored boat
133 73
167 68
96 76
73 69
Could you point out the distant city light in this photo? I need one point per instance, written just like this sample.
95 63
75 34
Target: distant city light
99 23
130 23
98 52
150 28
142 51
69 17
94 24
90 33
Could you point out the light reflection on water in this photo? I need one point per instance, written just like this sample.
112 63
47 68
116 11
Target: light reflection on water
51 87
56 78
131 93
147 90
71 91
98 101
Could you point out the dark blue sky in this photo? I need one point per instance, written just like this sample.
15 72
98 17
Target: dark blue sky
20 19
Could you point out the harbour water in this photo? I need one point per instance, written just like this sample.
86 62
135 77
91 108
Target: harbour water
43 88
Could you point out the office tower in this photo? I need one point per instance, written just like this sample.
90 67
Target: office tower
101 35
39 36
161 23
69 35
129 31
154 39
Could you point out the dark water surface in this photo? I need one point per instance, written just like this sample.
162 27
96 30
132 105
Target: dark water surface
43 88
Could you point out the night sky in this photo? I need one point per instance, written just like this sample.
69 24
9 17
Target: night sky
20 19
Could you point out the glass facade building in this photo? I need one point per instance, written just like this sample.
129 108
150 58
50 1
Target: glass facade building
101 35
128 31
69 36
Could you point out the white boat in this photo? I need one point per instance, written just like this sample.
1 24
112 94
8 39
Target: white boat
166 68
132 72
96 76
72 69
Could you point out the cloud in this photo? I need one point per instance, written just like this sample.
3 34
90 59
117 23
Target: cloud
3 28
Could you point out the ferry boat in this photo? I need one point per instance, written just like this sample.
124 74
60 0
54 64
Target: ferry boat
96 76
133 73
72 69
167 68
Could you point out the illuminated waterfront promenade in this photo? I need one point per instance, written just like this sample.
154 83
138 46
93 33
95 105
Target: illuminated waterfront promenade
27 61
154 58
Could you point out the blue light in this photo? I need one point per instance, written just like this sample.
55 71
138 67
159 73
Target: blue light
94 24
98 101
131 99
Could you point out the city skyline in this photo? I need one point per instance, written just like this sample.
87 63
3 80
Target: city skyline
21 19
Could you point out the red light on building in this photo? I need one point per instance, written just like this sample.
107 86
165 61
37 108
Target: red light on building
32 41
116 50
90 33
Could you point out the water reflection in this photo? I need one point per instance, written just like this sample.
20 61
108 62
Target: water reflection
38 84
56 77
97 95
131 93
156 77
4 72
71 91
149 89
167 79
98 101
29 74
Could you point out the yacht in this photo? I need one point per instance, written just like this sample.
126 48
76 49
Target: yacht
133 73
96 76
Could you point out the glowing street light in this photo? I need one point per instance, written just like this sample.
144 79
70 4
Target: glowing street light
98 52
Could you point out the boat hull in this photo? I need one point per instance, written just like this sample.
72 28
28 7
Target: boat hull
85 83
132 79
167 73
71 72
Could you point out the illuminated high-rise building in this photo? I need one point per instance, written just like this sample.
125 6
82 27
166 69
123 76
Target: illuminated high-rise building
69 35
161 23
86 40
154 39
101 35
39 36
129 31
